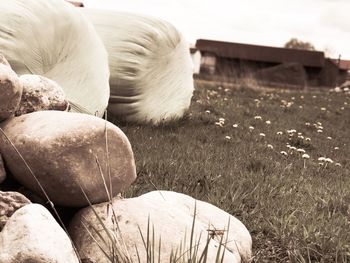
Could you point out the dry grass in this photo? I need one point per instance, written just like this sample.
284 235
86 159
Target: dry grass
297 210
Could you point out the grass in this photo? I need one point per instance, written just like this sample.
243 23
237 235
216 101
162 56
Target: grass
296 209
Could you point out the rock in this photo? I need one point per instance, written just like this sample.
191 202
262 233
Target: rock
2 170
65 150
171 216
4 61
40 93
10 90
9 203
32 235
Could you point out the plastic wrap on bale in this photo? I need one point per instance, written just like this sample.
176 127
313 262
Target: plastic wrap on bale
150 66
53 39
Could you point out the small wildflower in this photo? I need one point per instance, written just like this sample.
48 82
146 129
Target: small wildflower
337 164
227 137
219 124
302 97
235 125
307 123
221 119
301 137
342 108
207 111
329 160
321 159
262 134
268 122
251 128
292 147
301 150
300 107
336 148
299 133
319 123
279 133
284 153
321 164
291 131
319 131
307 139
305 156
256 100
269 146
314 97
258 118
323 109
329 138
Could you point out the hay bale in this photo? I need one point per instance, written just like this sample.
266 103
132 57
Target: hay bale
53 39
150 66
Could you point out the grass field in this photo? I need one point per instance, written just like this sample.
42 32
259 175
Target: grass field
243 151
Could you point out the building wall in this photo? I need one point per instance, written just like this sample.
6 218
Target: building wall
196 60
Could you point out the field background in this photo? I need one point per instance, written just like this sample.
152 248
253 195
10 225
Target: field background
296 209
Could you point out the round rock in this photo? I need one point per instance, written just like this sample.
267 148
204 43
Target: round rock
40 93
66 152
10 90
9 203
169 217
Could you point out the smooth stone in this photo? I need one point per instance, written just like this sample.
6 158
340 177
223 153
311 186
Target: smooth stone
66 151
10 90
9 203
33 235
170 214
40 93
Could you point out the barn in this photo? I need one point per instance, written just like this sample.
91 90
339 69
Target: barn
268 65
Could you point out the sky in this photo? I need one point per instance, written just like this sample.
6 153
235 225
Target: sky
324 23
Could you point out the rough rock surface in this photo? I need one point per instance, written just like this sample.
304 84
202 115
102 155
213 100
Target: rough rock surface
9 203
33 235
2 170
65 150
10 90
171 216
40 93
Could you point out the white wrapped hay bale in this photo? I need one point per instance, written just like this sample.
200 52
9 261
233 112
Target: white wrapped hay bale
150 66
53 39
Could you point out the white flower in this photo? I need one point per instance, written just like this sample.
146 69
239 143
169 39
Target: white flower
269 146
329 138
279 133
227 137
291 131
305 156
301 137
292 147
307 139
235 125
320 164
284 153
219 124
307 123
258 118
319 123
319 131
321 159
262 134
300 107
207 111
323 109
337 164
336 148
268 122
329 160
251 128
301 150
221 119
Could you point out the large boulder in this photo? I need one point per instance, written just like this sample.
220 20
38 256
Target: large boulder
51 38
10 202
33 235
66 151
170 216
151 68
40 93
10 90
